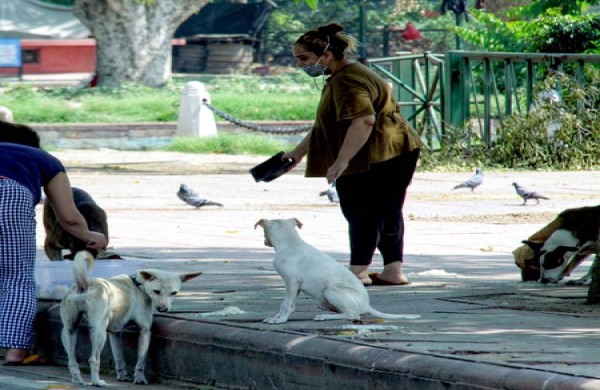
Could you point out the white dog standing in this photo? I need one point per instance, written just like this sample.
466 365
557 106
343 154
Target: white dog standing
304 268
109 305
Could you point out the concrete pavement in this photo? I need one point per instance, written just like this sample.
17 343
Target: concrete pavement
481 328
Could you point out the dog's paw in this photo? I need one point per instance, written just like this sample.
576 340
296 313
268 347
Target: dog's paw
77 379
140 379
99 383
275 320
123 377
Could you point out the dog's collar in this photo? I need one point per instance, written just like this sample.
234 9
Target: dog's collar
133 278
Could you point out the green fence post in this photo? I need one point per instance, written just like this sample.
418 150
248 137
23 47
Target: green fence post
386 40
453 110
508 88
529 84
580 77
487 98
362 32
403 69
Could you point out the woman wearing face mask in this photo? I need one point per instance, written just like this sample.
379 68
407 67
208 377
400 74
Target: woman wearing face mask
362 143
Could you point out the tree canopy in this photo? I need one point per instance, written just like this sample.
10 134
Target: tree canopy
551 32
134 37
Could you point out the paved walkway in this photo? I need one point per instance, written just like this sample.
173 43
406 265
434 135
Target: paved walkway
481 328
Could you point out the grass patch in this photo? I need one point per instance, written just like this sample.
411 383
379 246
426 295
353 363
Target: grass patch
230 143
76 105
248 98
522 143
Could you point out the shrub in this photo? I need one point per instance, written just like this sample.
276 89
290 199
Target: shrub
562 135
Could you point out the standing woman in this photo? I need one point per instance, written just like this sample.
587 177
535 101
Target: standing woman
24 170
362 143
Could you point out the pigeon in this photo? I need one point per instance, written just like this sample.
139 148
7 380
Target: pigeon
192 198
472 182
528 194
331 193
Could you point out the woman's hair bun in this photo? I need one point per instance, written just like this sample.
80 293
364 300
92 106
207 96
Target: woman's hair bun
330 29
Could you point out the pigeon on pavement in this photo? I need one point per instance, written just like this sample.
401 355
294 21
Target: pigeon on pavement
472 182
192 198
528 194
331 193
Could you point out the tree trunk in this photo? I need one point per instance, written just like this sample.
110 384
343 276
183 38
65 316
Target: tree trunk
133 38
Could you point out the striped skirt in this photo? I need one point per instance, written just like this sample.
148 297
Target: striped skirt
17 265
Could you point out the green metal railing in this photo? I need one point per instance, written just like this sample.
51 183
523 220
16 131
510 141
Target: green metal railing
472 90
418 82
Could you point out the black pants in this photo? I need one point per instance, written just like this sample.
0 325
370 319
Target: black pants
372 204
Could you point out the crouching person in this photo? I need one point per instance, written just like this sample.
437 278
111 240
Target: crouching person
24 170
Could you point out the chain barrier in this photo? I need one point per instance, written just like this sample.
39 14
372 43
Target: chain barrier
255 127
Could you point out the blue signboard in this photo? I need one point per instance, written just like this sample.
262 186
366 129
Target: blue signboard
10 53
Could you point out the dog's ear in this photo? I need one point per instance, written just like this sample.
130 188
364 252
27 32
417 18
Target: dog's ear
261 223
536 246
298 223
147 276
191 275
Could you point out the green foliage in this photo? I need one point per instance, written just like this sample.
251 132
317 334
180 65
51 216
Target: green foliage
64 105
526 143
538 7
559 136
288 21
459 149
278 98
312 4
490 33
251 98
523 140
563 136
551 32
555 32
230 143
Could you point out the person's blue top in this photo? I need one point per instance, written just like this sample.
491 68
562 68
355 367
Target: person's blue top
31 167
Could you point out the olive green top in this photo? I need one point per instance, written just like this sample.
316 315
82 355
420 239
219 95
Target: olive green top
353 92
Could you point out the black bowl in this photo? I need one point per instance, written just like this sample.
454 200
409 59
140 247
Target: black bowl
272 168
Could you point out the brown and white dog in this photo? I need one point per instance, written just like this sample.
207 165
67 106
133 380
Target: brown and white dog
109 305
57 238
304 268
572 241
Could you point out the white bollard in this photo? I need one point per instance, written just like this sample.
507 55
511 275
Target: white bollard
195 119
6 114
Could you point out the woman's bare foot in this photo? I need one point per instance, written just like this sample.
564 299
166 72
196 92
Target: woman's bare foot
362 273
14 355
393 273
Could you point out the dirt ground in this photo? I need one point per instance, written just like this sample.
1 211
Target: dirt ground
458 249
494 202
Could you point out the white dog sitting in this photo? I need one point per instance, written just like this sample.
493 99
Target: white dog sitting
304 268
109 305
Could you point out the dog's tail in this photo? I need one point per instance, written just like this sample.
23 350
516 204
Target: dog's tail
389 316
82 264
